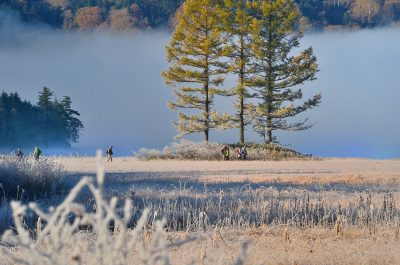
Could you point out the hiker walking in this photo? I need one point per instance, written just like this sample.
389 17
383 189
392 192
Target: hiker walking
36 153
238 153
109 153
225 152
243 153
19 154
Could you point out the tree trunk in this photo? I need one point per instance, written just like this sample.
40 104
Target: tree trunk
207 115
241 91
207 103
241 124
270 83
269 131
206 135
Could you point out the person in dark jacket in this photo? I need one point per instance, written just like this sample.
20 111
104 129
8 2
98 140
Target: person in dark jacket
19 154
109 153
243 153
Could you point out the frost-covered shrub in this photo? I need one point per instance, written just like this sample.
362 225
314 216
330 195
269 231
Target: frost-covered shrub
185 149
22 178
69 234
192 150
148 154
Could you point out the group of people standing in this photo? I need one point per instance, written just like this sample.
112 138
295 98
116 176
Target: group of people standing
36 153
240 153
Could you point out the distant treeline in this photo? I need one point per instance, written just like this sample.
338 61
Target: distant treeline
50 122
349 13
125 15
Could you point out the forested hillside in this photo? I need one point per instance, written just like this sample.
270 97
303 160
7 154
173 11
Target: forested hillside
50 123
125 15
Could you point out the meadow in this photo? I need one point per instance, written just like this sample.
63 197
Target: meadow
316 211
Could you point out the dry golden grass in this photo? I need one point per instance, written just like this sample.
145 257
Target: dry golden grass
271 245
347 171
280 244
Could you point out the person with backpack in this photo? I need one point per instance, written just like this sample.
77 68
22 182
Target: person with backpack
109 153
243 153
223 152
19 154
226 153
237 153
36 153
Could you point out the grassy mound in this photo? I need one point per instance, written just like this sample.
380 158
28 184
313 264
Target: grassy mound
188 150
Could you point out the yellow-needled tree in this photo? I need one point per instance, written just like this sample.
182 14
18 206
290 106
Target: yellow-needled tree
236 23
196 67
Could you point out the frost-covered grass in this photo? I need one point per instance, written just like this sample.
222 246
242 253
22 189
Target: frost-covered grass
69 234
28 178
189 150
198 207
294 212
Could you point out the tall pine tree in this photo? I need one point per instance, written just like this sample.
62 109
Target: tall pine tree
195 55
44 99
46 116
59 123
279 73
236 22
72 125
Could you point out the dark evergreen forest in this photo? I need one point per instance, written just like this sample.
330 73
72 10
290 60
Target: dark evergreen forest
125 15
50 122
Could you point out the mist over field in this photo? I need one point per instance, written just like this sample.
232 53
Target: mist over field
114 82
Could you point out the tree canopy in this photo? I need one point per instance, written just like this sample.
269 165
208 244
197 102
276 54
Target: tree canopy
254 40
278 73
196 67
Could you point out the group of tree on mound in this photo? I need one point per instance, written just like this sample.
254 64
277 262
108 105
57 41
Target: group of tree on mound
131 14
253 40
50 122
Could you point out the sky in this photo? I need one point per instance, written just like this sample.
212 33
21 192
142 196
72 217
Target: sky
114 82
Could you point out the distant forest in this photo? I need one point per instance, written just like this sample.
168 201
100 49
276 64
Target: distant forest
49 123
126 15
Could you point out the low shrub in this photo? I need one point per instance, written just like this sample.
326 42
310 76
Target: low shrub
28 178
183 150
189 150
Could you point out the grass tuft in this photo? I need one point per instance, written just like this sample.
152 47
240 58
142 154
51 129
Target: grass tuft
29 179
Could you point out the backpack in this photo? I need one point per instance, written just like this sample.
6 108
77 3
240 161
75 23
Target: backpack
109 151
37 152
